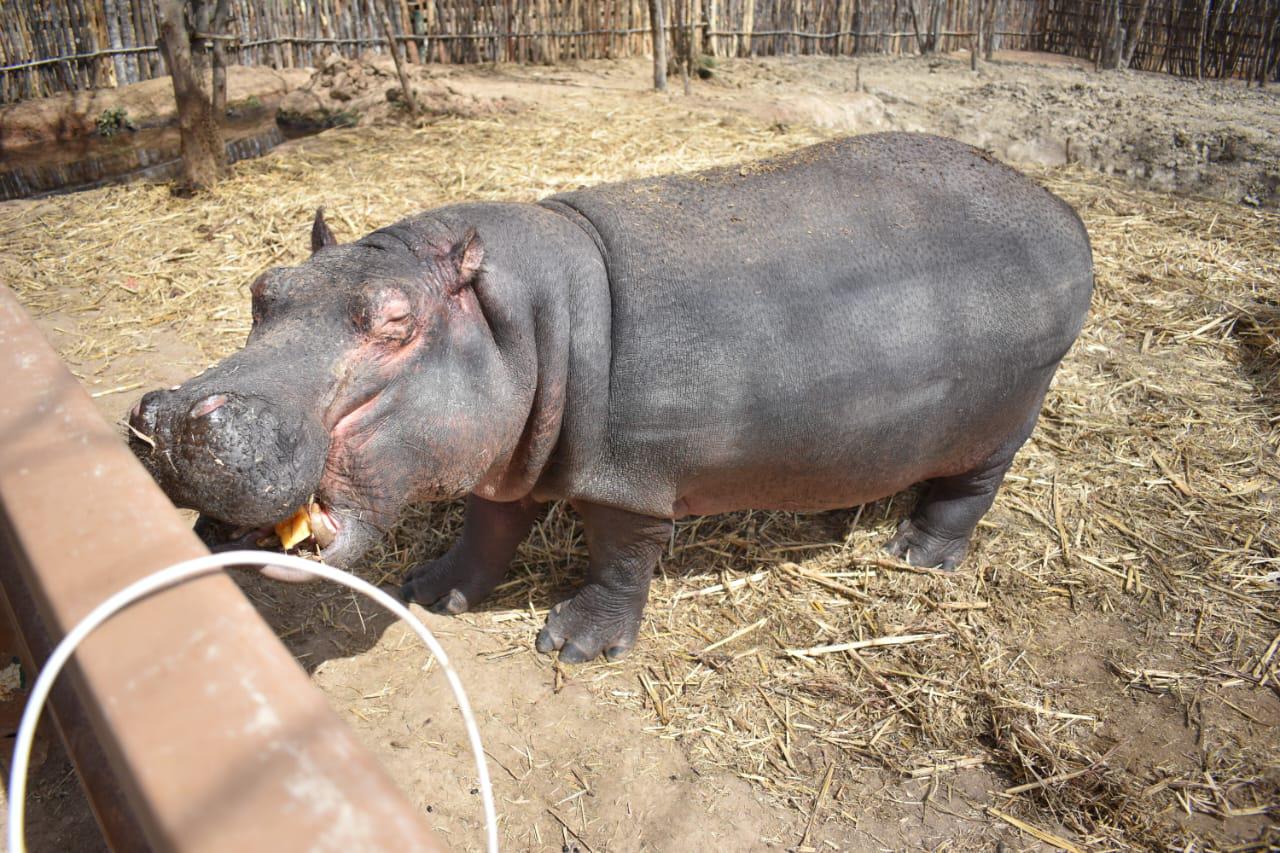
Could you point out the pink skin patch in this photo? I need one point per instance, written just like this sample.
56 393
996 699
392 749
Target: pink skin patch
396 342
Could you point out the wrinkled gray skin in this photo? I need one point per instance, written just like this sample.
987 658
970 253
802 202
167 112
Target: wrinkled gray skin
811 332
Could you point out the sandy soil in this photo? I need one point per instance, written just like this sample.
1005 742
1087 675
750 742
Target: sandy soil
1215 139
1219 140
588 758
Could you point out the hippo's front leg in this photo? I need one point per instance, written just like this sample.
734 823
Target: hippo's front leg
477 562
604 614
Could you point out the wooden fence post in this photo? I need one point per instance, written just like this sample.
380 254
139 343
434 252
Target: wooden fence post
658 26
221 13
1204 24
1268 46
389 32
990 39
975 41
1134 35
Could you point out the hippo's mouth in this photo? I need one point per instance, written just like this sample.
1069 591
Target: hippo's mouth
312 527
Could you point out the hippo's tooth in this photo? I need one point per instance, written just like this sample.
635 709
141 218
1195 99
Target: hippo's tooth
323 530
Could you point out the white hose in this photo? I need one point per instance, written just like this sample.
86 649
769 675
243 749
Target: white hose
185 571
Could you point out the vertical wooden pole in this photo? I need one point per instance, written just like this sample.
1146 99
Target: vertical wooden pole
126 40
221 15
1204 23
695 46
991 31
975 42
153 60
389 33
1134 35
1270 47
713 43
502 25
857 26
139 32
680 36
544 25
658 25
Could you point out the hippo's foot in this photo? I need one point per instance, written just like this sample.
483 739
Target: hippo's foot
603 617
448 585
927 550
595 621
462 578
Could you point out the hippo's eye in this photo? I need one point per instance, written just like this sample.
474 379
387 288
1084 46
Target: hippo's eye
386 315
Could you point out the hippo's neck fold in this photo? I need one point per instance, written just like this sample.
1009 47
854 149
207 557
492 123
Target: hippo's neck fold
539 267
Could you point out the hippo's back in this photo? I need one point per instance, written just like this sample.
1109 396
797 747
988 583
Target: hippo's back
810 307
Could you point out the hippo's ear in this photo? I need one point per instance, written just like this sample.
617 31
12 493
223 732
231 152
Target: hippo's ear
465 257
321 236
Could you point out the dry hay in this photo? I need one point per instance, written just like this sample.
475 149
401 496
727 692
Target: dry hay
1128 572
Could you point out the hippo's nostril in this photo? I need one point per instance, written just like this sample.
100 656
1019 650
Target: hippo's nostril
143 415
207 406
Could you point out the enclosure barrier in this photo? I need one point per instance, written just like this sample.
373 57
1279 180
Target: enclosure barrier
190 725
48 46
1189 38
58 45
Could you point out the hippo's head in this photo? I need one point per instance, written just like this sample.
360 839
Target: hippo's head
368 378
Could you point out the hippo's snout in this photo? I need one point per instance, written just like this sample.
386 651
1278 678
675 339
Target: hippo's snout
237 457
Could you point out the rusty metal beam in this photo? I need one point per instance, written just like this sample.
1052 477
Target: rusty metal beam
191 726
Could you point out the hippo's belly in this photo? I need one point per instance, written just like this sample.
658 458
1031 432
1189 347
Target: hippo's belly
847 403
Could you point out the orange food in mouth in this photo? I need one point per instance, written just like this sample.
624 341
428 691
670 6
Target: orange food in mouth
296 528
311 521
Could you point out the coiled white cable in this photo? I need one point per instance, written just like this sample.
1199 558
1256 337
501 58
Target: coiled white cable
185 571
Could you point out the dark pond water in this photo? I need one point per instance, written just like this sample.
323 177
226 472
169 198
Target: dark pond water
151 154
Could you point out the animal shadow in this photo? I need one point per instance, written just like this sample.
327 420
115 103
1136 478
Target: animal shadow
321 621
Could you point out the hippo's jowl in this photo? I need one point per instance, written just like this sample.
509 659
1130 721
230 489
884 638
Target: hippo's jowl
809 332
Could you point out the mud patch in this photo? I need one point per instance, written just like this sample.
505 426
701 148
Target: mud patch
346 92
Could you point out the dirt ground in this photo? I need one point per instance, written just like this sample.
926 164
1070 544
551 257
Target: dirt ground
1219 140
1214 139
1103 673
147 104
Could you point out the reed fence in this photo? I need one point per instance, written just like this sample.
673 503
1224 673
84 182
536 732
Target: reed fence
1190 38
48 46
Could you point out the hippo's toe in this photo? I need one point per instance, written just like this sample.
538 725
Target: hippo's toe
442 586
927 550
586 626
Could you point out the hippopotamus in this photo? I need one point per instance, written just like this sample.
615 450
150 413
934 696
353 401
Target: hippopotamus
809 332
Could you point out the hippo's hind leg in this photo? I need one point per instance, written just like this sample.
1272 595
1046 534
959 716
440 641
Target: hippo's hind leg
477 562
604 614
937 533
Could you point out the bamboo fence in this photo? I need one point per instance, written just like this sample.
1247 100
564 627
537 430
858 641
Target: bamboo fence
48 46
1191 38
